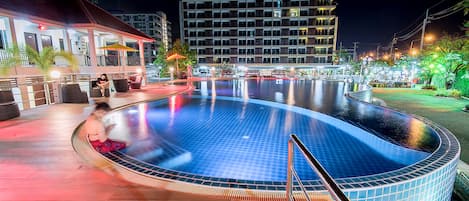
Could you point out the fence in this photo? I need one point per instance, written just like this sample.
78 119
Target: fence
34 91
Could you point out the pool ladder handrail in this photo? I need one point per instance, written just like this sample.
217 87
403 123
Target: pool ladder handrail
326 179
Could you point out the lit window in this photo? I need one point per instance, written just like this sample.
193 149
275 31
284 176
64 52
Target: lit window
294 12
277 13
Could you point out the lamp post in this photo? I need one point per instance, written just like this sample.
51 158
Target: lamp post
159 73
412 43
427 38
171 71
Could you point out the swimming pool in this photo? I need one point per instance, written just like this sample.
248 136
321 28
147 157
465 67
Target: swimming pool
234 134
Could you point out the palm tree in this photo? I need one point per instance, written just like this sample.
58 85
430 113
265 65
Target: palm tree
43 60
12 61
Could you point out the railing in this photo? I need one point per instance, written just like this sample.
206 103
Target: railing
361 92
133 60
461 184
110 60
6 55
83 59
33 91
331 186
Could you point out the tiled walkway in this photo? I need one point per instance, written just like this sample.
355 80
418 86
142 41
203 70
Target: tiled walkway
37 160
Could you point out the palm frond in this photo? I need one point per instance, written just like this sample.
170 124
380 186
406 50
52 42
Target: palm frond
33 55
71 59
46 59
13 60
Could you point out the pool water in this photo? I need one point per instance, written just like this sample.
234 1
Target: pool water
222 130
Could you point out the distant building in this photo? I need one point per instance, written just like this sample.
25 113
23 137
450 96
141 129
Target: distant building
155 25
95 1
285 34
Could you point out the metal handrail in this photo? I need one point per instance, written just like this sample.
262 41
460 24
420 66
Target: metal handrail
326 179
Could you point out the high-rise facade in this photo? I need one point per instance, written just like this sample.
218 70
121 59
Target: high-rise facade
155 25
260 33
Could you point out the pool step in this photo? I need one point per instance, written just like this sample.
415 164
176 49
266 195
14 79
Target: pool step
172 156
150 154
160 152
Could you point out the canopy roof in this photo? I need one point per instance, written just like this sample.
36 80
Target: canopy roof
69 12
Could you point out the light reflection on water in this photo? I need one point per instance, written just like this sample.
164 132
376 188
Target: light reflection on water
209 141
328 97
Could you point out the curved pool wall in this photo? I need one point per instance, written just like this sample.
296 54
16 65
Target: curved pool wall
429 179
434 177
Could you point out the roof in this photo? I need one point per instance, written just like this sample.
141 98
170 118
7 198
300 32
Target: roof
70 12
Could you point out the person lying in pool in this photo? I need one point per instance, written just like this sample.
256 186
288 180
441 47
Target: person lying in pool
98 132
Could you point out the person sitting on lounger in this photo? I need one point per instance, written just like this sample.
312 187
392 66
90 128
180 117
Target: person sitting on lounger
103 83
98 132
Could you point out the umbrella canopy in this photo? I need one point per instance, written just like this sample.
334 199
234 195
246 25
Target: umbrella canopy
118 47
175 56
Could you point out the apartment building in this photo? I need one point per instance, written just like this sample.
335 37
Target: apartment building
260 33
154 25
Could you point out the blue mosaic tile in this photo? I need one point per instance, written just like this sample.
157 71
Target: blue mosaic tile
176 154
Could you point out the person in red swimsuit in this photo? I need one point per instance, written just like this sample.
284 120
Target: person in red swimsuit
98 132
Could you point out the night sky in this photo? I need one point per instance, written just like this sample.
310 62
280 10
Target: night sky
369 22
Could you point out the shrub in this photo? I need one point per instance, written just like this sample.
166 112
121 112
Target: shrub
429 87
448 93
455 93
442 92
462 83
467 107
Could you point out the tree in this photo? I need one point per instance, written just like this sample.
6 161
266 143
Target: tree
184 50
160 61
43 60
356 67
12 61
341 56
430 68
404 62
178 48
447 57
383 63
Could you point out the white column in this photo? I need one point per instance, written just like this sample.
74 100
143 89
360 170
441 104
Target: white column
142 61
141 52
122 55
12 30
92 49
67 41
14 41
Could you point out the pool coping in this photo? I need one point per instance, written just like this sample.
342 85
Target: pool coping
433 162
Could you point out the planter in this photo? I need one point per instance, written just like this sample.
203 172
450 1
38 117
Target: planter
135 82
8 106
71 93
135 85
121 85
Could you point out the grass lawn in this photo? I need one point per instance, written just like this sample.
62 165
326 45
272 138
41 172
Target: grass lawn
444 111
